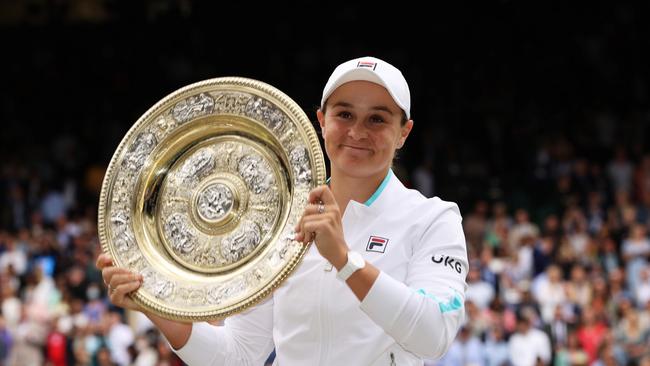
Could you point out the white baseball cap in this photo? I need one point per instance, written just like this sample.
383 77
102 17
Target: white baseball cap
374 70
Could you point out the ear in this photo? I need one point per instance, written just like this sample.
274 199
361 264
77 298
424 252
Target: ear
321 119
404 133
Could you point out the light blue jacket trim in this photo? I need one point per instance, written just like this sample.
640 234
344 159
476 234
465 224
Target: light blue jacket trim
454 304
383 185
375 195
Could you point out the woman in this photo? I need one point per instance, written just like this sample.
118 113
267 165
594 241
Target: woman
383 283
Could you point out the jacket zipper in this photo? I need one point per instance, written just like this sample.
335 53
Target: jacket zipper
392 359
324 319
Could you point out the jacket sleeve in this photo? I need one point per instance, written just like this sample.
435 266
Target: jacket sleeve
244 339
424 314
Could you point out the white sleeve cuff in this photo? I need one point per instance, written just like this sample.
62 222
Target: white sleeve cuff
414 321
203 345
385 301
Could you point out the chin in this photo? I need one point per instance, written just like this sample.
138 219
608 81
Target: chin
358 168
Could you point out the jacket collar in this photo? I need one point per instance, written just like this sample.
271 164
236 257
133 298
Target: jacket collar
380 189
389 190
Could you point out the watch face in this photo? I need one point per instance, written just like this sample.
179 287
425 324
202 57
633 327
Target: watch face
356 259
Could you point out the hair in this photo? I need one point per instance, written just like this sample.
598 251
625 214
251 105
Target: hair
402 121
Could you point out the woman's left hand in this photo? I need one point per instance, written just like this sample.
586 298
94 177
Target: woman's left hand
321 222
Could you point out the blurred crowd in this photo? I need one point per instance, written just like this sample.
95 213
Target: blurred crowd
571 288
565 281
54 308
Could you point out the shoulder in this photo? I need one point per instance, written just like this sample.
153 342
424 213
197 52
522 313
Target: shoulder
430 210
442 210
415 204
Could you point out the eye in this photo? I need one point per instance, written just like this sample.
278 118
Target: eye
344 114
377 119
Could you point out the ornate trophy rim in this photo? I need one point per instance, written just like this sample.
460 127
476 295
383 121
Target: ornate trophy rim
144 177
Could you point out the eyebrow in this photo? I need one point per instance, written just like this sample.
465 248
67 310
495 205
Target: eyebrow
375 108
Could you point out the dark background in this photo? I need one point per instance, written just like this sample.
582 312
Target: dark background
491 81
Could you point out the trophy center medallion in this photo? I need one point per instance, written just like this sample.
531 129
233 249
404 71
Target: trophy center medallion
214 202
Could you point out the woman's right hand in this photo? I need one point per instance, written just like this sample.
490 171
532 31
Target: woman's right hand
120 282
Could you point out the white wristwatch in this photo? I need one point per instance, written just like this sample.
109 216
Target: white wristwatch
355 263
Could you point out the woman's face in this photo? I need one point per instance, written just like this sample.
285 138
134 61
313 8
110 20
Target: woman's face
362 128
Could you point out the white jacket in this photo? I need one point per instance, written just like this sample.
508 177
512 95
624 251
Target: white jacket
411 312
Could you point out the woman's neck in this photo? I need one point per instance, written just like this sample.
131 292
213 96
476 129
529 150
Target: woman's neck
360 189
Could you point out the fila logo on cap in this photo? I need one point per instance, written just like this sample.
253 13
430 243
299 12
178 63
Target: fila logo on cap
376 244
367 64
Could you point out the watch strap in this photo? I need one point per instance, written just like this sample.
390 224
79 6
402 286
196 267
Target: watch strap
355 262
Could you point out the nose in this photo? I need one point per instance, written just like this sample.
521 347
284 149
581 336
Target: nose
357 130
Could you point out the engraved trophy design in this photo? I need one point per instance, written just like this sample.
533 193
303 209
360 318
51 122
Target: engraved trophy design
202 194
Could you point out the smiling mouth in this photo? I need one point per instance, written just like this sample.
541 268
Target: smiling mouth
356 147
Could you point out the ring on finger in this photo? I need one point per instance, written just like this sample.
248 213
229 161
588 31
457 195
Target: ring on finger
321 208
